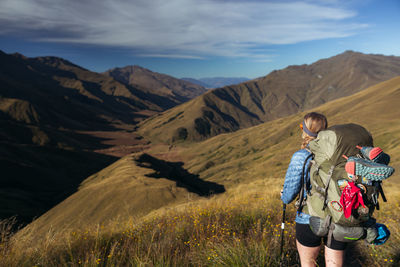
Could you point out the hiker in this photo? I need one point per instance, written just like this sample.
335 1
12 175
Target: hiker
308 244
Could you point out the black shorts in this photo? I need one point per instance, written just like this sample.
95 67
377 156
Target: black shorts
307 238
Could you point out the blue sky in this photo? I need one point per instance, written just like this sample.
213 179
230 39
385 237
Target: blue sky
198 38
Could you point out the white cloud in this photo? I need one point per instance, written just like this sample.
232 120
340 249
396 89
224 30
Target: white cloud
181 28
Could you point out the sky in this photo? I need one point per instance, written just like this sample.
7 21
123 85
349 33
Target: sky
198 38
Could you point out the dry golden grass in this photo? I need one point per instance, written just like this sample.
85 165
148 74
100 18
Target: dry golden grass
220 230
240 228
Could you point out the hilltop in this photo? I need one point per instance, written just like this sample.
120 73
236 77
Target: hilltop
175 90
281 93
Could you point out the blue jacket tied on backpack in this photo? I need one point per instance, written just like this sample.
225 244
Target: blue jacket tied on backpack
292 184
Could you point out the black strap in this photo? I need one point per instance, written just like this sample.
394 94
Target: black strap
381 191
308 182
303 183
375 195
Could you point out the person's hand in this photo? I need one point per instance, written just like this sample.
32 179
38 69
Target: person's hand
281 192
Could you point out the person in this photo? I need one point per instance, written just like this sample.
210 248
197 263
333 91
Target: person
308 244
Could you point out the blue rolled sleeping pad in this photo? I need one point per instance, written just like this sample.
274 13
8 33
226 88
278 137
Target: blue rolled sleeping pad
383 234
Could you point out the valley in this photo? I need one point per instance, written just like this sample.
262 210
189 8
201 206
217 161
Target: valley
82 151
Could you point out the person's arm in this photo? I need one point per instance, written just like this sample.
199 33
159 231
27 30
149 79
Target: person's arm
292 184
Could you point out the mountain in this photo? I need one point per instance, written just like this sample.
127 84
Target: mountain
55 92
53 116
216 82
196 81
279 94
138 183
175 90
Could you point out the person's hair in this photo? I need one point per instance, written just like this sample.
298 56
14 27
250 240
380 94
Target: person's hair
314 122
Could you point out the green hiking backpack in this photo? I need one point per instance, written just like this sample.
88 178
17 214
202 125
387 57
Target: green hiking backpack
328 177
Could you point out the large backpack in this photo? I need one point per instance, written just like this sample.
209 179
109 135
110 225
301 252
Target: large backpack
328 177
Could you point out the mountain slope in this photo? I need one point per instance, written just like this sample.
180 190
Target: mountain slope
35 178
53 115
63 94
279 94
175 90
264 150
228 160
131 187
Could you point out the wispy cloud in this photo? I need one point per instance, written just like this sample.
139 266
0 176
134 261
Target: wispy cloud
170 56
178 28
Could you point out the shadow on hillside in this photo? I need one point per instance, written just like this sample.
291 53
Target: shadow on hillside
354 257
36 178
174 171
396 259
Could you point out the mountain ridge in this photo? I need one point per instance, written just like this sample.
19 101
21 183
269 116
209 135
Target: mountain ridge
176 90
278 94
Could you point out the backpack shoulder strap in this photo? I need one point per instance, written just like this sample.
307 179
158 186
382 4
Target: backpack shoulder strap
303 183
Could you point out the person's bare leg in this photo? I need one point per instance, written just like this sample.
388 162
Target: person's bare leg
333 258
308 255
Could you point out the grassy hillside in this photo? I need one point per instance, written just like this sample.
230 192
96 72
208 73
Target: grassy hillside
239 228
228 160
264 150
132 186
279 94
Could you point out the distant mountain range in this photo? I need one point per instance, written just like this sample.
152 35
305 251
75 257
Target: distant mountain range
216 82
55 92
48 109
279 94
